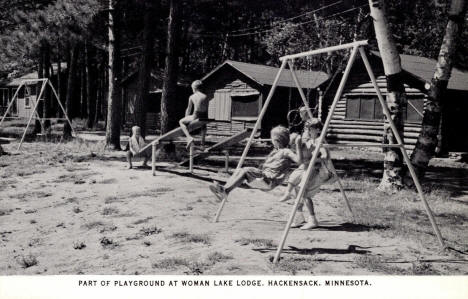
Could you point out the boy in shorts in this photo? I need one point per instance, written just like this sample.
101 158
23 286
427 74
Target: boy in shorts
199 102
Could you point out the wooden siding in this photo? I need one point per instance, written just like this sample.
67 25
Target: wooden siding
348 130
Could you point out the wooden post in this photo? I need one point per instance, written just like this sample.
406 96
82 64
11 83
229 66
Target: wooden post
309 112
153 159
11 103
403 151
306 176
31 117
226 161
191 158
61 106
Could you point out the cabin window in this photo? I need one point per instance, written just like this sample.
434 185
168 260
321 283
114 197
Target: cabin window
245 106
27 102
414 110
364 107
4 97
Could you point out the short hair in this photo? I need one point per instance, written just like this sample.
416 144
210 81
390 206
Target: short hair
197 84
281 134
135 129
315 123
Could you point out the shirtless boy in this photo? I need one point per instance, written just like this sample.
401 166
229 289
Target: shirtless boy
199 102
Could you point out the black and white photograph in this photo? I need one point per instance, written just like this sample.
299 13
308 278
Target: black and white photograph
292 138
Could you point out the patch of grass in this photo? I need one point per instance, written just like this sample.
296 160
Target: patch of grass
423 269
111 199
4 212
256 242
108 243
148 231
376 264
94 224
294 265
170 263
217 257
145 220
151 192
27 261
186 237
109 211
79 245
107 181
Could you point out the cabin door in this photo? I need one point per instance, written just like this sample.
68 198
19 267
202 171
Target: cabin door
220 106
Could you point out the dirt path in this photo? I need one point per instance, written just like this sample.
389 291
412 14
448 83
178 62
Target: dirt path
92 216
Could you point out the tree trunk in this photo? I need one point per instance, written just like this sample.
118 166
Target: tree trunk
40 74
169 93
427 141
396 96
47 92
146 63
114 101
59 81
67 133
90 86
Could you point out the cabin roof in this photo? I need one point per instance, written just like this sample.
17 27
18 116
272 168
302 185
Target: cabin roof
158 75
423 68
265 75
32 75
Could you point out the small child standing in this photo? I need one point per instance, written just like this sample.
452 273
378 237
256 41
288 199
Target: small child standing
272 172
135 144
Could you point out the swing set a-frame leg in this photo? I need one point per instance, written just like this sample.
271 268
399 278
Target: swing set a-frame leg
254 132
309 112
308 173
38 99
403 151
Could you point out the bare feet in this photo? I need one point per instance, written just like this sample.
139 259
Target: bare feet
285 197
218 191
298 220
312 223
129 166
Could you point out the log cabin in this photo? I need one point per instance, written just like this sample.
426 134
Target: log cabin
237 91
359 118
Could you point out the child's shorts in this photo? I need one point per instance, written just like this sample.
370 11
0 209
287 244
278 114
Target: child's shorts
145 154
320 175
257 179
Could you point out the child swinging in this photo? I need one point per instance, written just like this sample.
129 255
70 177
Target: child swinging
273 171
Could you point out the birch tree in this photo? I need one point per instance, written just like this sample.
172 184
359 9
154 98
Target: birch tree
396 97
427 140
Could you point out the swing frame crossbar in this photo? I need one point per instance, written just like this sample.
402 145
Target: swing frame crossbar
355 47
35 115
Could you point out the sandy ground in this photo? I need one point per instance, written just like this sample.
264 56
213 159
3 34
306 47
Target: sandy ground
69 211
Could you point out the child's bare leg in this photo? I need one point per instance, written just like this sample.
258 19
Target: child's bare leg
299 219
312 221
145 161
235 181
184 122
129 159
287 193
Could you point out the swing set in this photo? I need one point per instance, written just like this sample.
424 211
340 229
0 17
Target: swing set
43 83
288 60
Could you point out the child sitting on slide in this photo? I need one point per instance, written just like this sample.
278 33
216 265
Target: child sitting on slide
135 144
272 172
